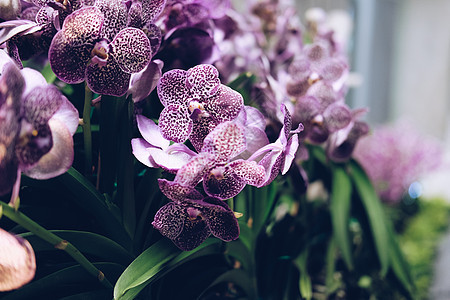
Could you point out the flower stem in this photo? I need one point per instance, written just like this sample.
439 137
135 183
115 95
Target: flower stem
87 130
53 239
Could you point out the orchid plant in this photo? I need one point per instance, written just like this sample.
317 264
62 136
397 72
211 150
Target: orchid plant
159 141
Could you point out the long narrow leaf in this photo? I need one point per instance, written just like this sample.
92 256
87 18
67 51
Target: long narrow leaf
95 203
105 249
153 263
239 278
341 192
375 213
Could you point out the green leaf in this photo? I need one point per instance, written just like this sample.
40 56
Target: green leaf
341 193
92 201
57 283
400 266
375 213
105 249
305 285
160 258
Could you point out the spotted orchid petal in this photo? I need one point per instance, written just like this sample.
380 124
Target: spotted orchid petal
108 79
220 219
151 9
131 50
175 123
337 116
202 127
225 105
249 171
169 220
115 16
226 141
192 172
195 231
203 81
222 183
178 192
134 18
341 148
11 87
17 261
172 88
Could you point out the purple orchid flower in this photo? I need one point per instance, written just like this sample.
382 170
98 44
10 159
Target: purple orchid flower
278 156
341 143
195 102
189 222
95 45
155 151
17 261
38 123
222 176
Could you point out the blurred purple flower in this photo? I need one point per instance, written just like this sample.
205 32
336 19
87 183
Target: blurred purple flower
37 124
189 222
395 156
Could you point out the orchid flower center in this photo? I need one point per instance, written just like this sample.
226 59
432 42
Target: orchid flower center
100 50
197 110
194 213
217 173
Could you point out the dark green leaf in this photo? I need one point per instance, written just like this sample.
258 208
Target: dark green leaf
375 213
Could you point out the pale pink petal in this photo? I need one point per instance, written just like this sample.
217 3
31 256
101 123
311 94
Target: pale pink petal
151 132
17 261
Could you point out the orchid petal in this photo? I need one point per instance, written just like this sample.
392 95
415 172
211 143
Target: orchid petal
131 49
177 192
140 151
226 141
203 81
175 124
220 219
108 79
151 132
172 88
222 183
17 261
60 157
225 105
169 220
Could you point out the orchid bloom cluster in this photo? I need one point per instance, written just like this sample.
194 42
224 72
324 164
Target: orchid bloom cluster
390 161
304 70
230 150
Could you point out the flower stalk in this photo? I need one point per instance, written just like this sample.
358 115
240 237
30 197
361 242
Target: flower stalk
87 134
53 239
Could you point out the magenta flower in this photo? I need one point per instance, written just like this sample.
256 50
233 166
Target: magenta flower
189 222
37 127
17 261
195 102
95 45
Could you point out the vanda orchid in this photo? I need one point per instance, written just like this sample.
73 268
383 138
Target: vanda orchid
184 141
